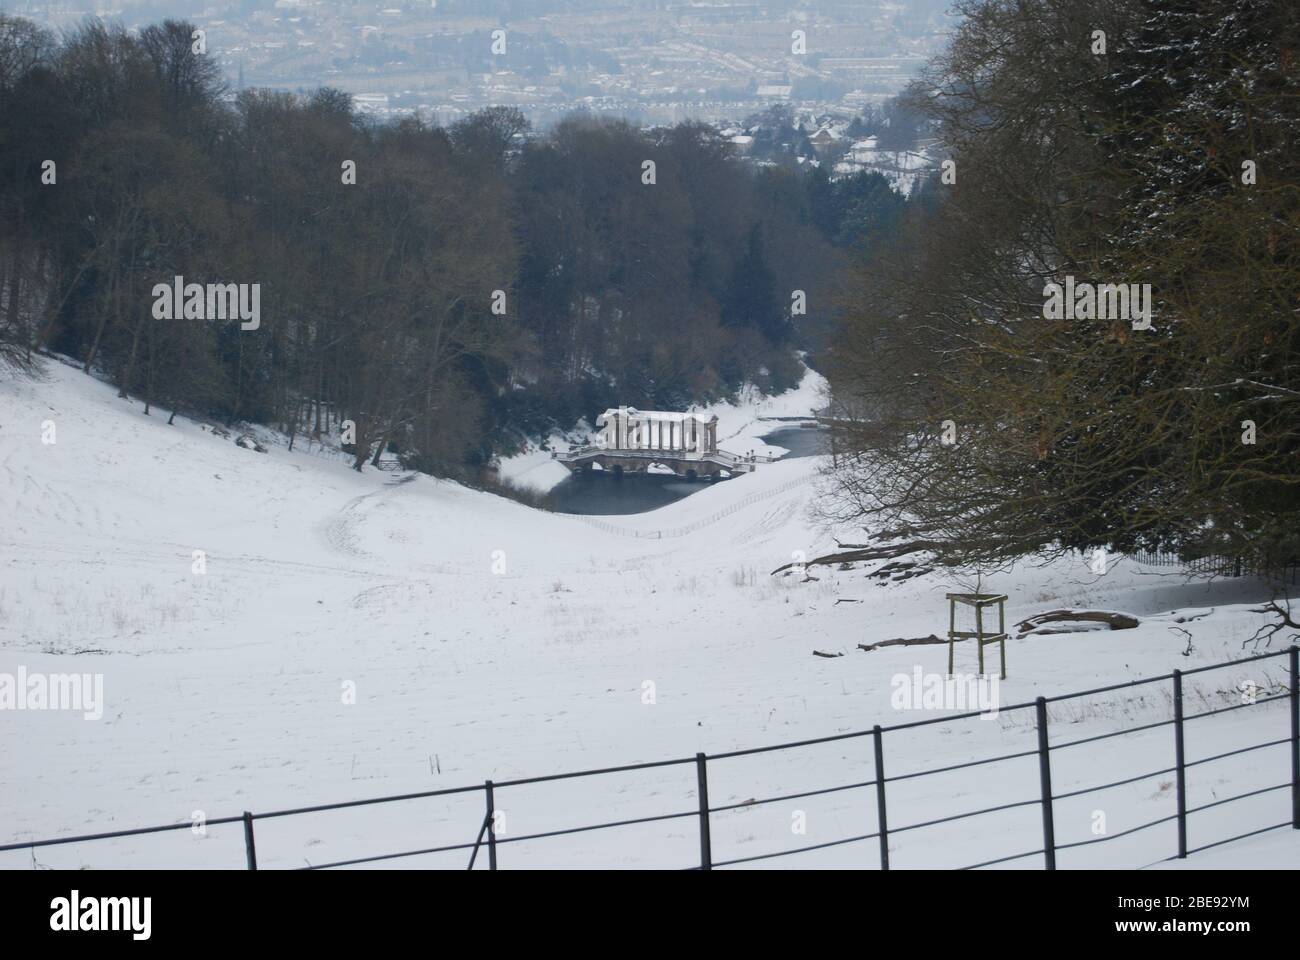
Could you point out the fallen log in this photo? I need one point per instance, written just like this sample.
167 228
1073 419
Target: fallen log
886 552
901 642
1113 619
828 656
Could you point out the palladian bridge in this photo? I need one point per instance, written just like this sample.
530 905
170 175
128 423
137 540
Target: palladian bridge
632 441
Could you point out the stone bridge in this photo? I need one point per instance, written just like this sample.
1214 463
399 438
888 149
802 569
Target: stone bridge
632 441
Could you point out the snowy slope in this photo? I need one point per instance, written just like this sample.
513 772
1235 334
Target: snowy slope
487 640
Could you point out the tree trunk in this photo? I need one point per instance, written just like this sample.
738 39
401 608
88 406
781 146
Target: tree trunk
361 450
15 290
114 280
94 344
130 363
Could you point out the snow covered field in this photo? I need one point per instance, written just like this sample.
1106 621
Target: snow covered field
487 640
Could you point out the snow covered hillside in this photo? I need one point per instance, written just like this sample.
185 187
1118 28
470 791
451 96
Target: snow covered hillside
484 640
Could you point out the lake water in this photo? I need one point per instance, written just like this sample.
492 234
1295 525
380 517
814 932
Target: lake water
800 441
595 494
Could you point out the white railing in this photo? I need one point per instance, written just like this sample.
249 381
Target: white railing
649 453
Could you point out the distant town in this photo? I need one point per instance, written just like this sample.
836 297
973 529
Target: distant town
651 62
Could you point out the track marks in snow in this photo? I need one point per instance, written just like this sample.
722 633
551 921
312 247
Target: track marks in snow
340 529
772 519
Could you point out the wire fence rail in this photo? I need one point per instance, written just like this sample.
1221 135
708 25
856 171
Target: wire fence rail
703 812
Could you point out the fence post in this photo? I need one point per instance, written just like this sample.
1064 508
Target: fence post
1045 779
250 848
1294 657
882 827
1180 767
492 825
706 844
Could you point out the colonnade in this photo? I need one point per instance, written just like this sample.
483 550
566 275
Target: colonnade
626 428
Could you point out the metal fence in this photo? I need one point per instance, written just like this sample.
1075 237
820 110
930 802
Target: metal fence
703 811
1220 565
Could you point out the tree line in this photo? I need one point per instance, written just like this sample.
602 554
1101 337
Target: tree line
447 290
1092 146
